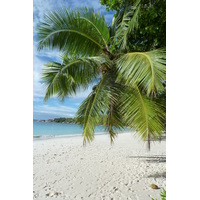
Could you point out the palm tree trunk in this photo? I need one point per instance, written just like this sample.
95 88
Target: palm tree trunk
149 142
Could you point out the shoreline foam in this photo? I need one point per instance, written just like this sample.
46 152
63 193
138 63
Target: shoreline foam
43 137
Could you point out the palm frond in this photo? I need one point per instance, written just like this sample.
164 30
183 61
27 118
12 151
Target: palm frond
92 109
147 69
95 106
112 27
70 76
82 31
145 115
56 82
127 23
113 122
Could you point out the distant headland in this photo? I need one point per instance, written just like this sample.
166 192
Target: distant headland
58 120
70 120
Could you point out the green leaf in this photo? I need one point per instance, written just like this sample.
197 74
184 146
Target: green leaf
81 31
147 69
66 79
98 104
127 24
145 115
92 109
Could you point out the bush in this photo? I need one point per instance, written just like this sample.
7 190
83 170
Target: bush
162 195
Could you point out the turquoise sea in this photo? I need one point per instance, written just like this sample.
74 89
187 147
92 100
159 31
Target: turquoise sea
42 130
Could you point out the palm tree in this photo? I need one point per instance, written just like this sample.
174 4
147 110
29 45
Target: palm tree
129 85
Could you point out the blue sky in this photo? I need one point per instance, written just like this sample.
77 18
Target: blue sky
54 107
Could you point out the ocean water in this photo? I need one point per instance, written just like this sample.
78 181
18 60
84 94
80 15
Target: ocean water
42 130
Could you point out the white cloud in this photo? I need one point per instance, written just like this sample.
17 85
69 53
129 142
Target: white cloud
38 87
38 64
37 99
83 94
59 110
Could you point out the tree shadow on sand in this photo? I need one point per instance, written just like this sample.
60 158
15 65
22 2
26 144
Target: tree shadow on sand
157 175
151 159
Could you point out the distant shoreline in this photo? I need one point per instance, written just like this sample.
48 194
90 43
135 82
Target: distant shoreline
47 121
69 120
53 121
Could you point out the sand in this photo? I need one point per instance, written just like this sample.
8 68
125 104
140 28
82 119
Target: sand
64 169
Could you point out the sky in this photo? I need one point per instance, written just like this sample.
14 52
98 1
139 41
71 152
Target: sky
54 108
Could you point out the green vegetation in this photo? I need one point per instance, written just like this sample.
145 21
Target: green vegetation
130 82
113 4
151 31
162 195
64 120
73 120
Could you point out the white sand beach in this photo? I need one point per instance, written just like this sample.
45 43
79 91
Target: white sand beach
64 169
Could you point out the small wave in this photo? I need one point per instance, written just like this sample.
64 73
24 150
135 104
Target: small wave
40 137
44 137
